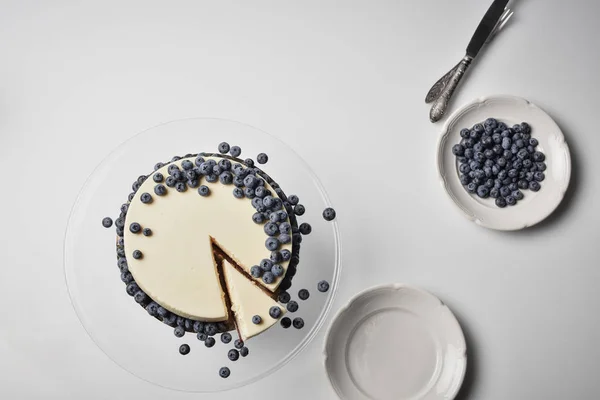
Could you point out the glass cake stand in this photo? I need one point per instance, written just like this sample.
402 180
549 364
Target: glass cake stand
141 344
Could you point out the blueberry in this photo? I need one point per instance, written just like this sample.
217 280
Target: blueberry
224 148
489 154
494 193
140 297
478 147
286 322
244 351
158 177
523 184
271 228
235 151
224 372
506 143
504 191
277 270
238 344
250 181
233 355
464 133
258 218
137 254
268 278
266 265
203 190
539 176
285 254
184 349
477 128
249 193
198 161
160 189
284 238
226 337
238 193
187 165
538 156
147 232
210 329
202 336
275 312
262 158
513 173
146 198
170 182
513 186
469 153
210 341
298 323
175 158
489 183
483 192
530 149
328 213
226 178
500 202
527 163
225 165
518 195
179 331
180 186
206 168
191 175
465 180
126 277
511 201
284 297
471 187
533 142
107 222
507 154
292 306
458 150
256 271
304 228
122 264
487 142
216 170
256 320
541 167
464 169
152 309
198 326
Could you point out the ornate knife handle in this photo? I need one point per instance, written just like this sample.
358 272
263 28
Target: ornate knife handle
440 85
441 104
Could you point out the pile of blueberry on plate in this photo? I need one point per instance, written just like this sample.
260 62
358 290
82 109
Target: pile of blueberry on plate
498 161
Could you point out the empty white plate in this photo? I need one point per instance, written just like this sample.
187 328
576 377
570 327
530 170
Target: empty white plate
395 342
536 205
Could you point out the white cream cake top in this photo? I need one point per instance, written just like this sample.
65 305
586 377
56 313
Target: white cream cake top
177 269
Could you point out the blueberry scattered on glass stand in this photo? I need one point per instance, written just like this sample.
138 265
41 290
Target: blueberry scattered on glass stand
286 322
235 151
300 210
298 323
202 336
210 341
329 214
323 286
303 294
244 351
233 355
224 372
226 337
262 158
224 148
107 222
184 349
495 161
292 306
238 343
305 228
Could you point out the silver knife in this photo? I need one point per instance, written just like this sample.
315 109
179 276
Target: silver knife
452 79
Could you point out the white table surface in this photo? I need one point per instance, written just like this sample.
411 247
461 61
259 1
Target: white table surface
333 80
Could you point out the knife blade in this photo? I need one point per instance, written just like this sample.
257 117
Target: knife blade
486 26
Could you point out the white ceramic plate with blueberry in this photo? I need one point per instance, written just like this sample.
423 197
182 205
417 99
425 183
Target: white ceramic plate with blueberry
395 342
529 166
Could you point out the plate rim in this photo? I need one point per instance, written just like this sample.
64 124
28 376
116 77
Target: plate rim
479 102
394 286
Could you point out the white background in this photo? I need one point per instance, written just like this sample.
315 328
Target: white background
335 80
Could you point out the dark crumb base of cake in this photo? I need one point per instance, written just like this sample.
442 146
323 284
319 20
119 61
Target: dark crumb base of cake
173 319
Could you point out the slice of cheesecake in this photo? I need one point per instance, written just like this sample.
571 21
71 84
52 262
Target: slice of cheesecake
247 301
